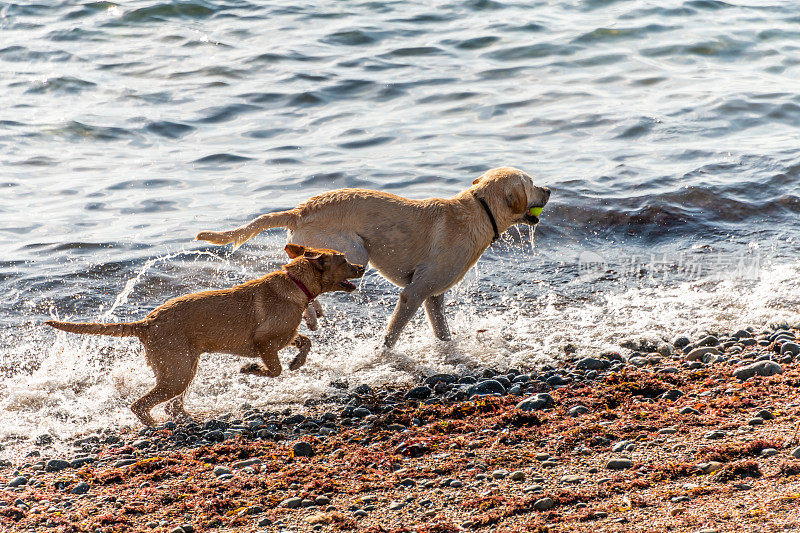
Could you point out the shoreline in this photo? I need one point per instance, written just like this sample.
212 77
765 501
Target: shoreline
688 435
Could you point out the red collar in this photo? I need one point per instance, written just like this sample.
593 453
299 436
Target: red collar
302 287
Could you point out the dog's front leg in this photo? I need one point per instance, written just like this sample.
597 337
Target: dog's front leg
303 345
434 307
267 349
310 315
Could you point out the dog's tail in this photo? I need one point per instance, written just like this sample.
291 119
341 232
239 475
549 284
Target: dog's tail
242 234
125 329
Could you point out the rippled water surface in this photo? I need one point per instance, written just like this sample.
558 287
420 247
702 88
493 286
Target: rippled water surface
668 132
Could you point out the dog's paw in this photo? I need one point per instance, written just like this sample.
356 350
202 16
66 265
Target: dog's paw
253 368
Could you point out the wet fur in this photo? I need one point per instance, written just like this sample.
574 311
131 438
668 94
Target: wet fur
255 319
424 246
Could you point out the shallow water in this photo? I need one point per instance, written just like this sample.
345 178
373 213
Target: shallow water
667 133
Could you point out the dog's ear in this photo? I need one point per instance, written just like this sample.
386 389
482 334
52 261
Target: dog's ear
294 250
517 199
316 260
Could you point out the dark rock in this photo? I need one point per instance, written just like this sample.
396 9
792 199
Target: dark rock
760 368
544 504
578 410
536 402
292 503
489 386
433 380
790 348
214 436
303 449
80 488
364 390
672 395
681 342
215 424
55 465
619 464
710 340
361 412
293 420
557 380
18 481
590 363
418 393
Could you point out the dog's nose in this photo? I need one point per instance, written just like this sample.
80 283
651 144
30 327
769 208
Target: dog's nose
546 191
360 270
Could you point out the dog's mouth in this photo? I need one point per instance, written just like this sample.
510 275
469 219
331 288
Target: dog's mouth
347 285
530 219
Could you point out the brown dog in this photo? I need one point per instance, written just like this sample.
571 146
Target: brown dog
424 246
254 319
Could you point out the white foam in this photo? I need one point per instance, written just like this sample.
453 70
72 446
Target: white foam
86 384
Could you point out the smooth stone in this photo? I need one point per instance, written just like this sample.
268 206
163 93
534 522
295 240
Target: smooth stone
22 480
536 402
572 479
619 464
796 453
544 504
716 434
303 449
578 410
489 386
246 463
124 462
769 452
742 334
517 475
766 414
440 378
760 368
698 353
418 393
322 500
361 412
80 488
292 503
360 513
790 348
668 430
755 421
222 471
500 473
710 467
590 363
620 446
396 506
689 411
55 465
672 395
456 484
264 522
681 342
709 340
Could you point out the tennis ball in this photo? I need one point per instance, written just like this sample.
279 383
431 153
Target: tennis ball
535 211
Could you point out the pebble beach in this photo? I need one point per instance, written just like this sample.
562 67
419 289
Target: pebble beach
695 435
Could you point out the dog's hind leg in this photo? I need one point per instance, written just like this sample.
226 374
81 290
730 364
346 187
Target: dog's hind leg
434 307
408 303
174 372
303 345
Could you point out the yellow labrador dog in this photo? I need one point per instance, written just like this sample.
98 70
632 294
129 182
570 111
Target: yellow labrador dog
424 246
254 319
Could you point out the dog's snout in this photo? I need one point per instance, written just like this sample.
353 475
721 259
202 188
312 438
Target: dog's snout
546 191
